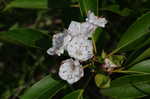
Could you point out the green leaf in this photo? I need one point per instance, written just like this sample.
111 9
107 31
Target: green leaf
58 3
116 9
143 66
140 49
140 42
43 89
144 55
102 81
27 37
131 86
86 5
96 37
75 94
136 31
38 4
97 34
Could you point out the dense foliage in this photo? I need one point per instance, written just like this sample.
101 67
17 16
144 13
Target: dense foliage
28 72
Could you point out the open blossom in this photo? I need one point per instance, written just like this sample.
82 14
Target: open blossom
81 29
80 48
59 43
97 21
71 71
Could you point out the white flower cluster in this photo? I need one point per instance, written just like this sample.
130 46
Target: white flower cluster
75 41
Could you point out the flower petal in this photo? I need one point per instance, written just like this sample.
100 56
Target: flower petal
80 48
74 28
87 29
59 43
109 63
91 18
71 71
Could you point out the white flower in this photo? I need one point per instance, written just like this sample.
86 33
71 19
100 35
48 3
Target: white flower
81 29
74 28
71 71
59 43
91 18
109 65
80 48
87 29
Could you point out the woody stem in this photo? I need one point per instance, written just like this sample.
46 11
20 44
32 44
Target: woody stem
85 66
94 45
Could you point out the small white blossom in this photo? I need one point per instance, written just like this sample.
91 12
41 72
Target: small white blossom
71 71
59 43
109 65
80 48
81 29
98 21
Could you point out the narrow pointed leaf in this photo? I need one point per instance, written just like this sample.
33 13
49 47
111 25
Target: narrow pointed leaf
143 66
38 4
144 55
43 89
136 31
75 94
131 86
27 37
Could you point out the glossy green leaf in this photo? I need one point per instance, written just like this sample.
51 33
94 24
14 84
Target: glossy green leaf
58 3
116 9
131 86
142 56
75 94
97 34
86 5
38 4
143 66
140 42
136 31
27 37
137 52
43 89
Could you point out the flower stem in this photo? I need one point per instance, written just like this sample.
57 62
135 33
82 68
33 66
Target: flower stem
110 54
126 71
94 45
85 66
